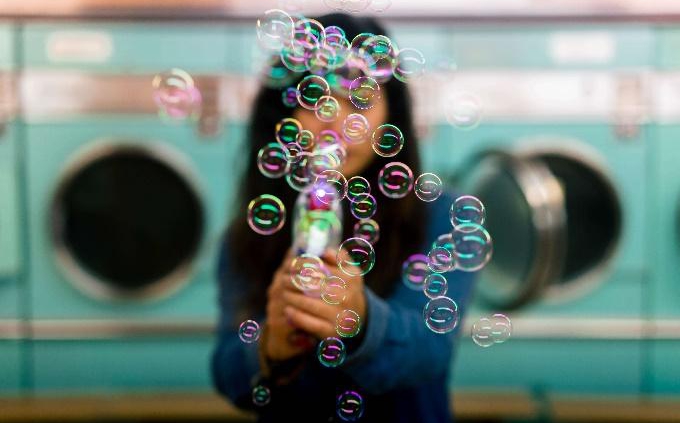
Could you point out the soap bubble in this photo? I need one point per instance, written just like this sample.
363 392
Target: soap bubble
333 290
331 352
441 314
472 246
266 214
355 128
502 328
349 406
261 395
299 176
347 323
364 92
307 272
274 29
463 110
387 140
364 208
287 130
327 109
395 180
467 209
330 186
380 54
307 140
428 187
436 285
311 89
414 270
367 229
293 152
357 188
440 260
410 65
355 257
249 331
176 95
482 331
289 97
272 160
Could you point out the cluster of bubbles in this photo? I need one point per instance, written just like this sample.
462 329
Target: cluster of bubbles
176 95
488 331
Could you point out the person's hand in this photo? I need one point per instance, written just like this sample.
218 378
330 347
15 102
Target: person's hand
317 317
281 340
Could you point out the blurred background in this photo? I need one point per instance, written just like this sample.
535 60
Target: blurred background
569 134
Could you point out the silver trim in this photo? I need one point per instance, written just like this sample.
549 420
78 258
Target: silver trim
66 262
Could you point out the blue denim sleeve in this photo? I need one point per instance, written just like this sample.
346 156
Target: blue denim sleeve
234 363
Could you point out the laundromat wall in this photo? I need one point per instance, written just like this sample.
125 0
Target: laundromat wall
591 108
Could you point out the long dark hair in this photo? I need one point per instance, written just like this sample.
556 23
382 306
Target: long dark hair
401 221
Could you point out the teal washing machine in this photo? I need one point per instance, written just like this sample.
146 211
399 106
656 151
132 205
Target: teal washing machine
12 288
125 210
664 222
560 159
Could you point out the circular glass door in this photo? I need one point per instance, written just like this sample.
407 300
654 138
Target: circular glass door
126 221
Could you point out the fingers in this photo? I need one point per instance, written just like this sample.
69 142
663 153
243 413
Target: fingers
317 326
313 306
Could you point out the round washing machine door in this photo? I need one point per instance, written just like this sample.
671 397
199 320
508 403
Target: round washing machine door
126 220
554 218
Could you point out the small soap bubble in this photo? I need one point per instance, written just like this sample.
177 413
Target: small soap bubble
436 285
428 187
414 270
463 110
249 331
307 140
482 332
355 128
380 54
333 290
367 229
467 209
311 89
287 130
364 92
410 65
307 272
289 97
274 29
272 160
356 257
330 186
441 314
473 247
261 395
364 207
387 140
347 323
440 260
176 95
293 152
266 214
502 328
331 352
395 180
357 188
349 406
299 176
327 109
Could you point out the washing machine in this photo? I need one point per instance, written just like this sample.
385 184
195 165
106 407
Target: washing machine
12 286
560 159
125 210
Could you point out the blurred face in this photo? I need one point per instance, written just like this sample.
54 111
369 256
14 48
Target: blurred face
359 156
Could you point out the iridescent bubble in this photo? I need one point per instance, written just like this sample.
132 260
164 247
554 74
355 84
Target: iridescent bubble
176 95
349 406
482 332
333 290
395 180
502 328
436 285
307 272
322 59
249 331
299 175
307 140
272 160
364 92
327 109
367 229
428 187
266 214
440 260
355 257
364 207
380 6
274 29
347 323
414 270
410 65
387 140
293 152
288 130
261 395
359 39
444 241
312 35
355 128
441 314
311 89
294 58
467 209
289 97
472 246
357 188
330 186
323 160
333 31
380 54
331 352
350 66
463 110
